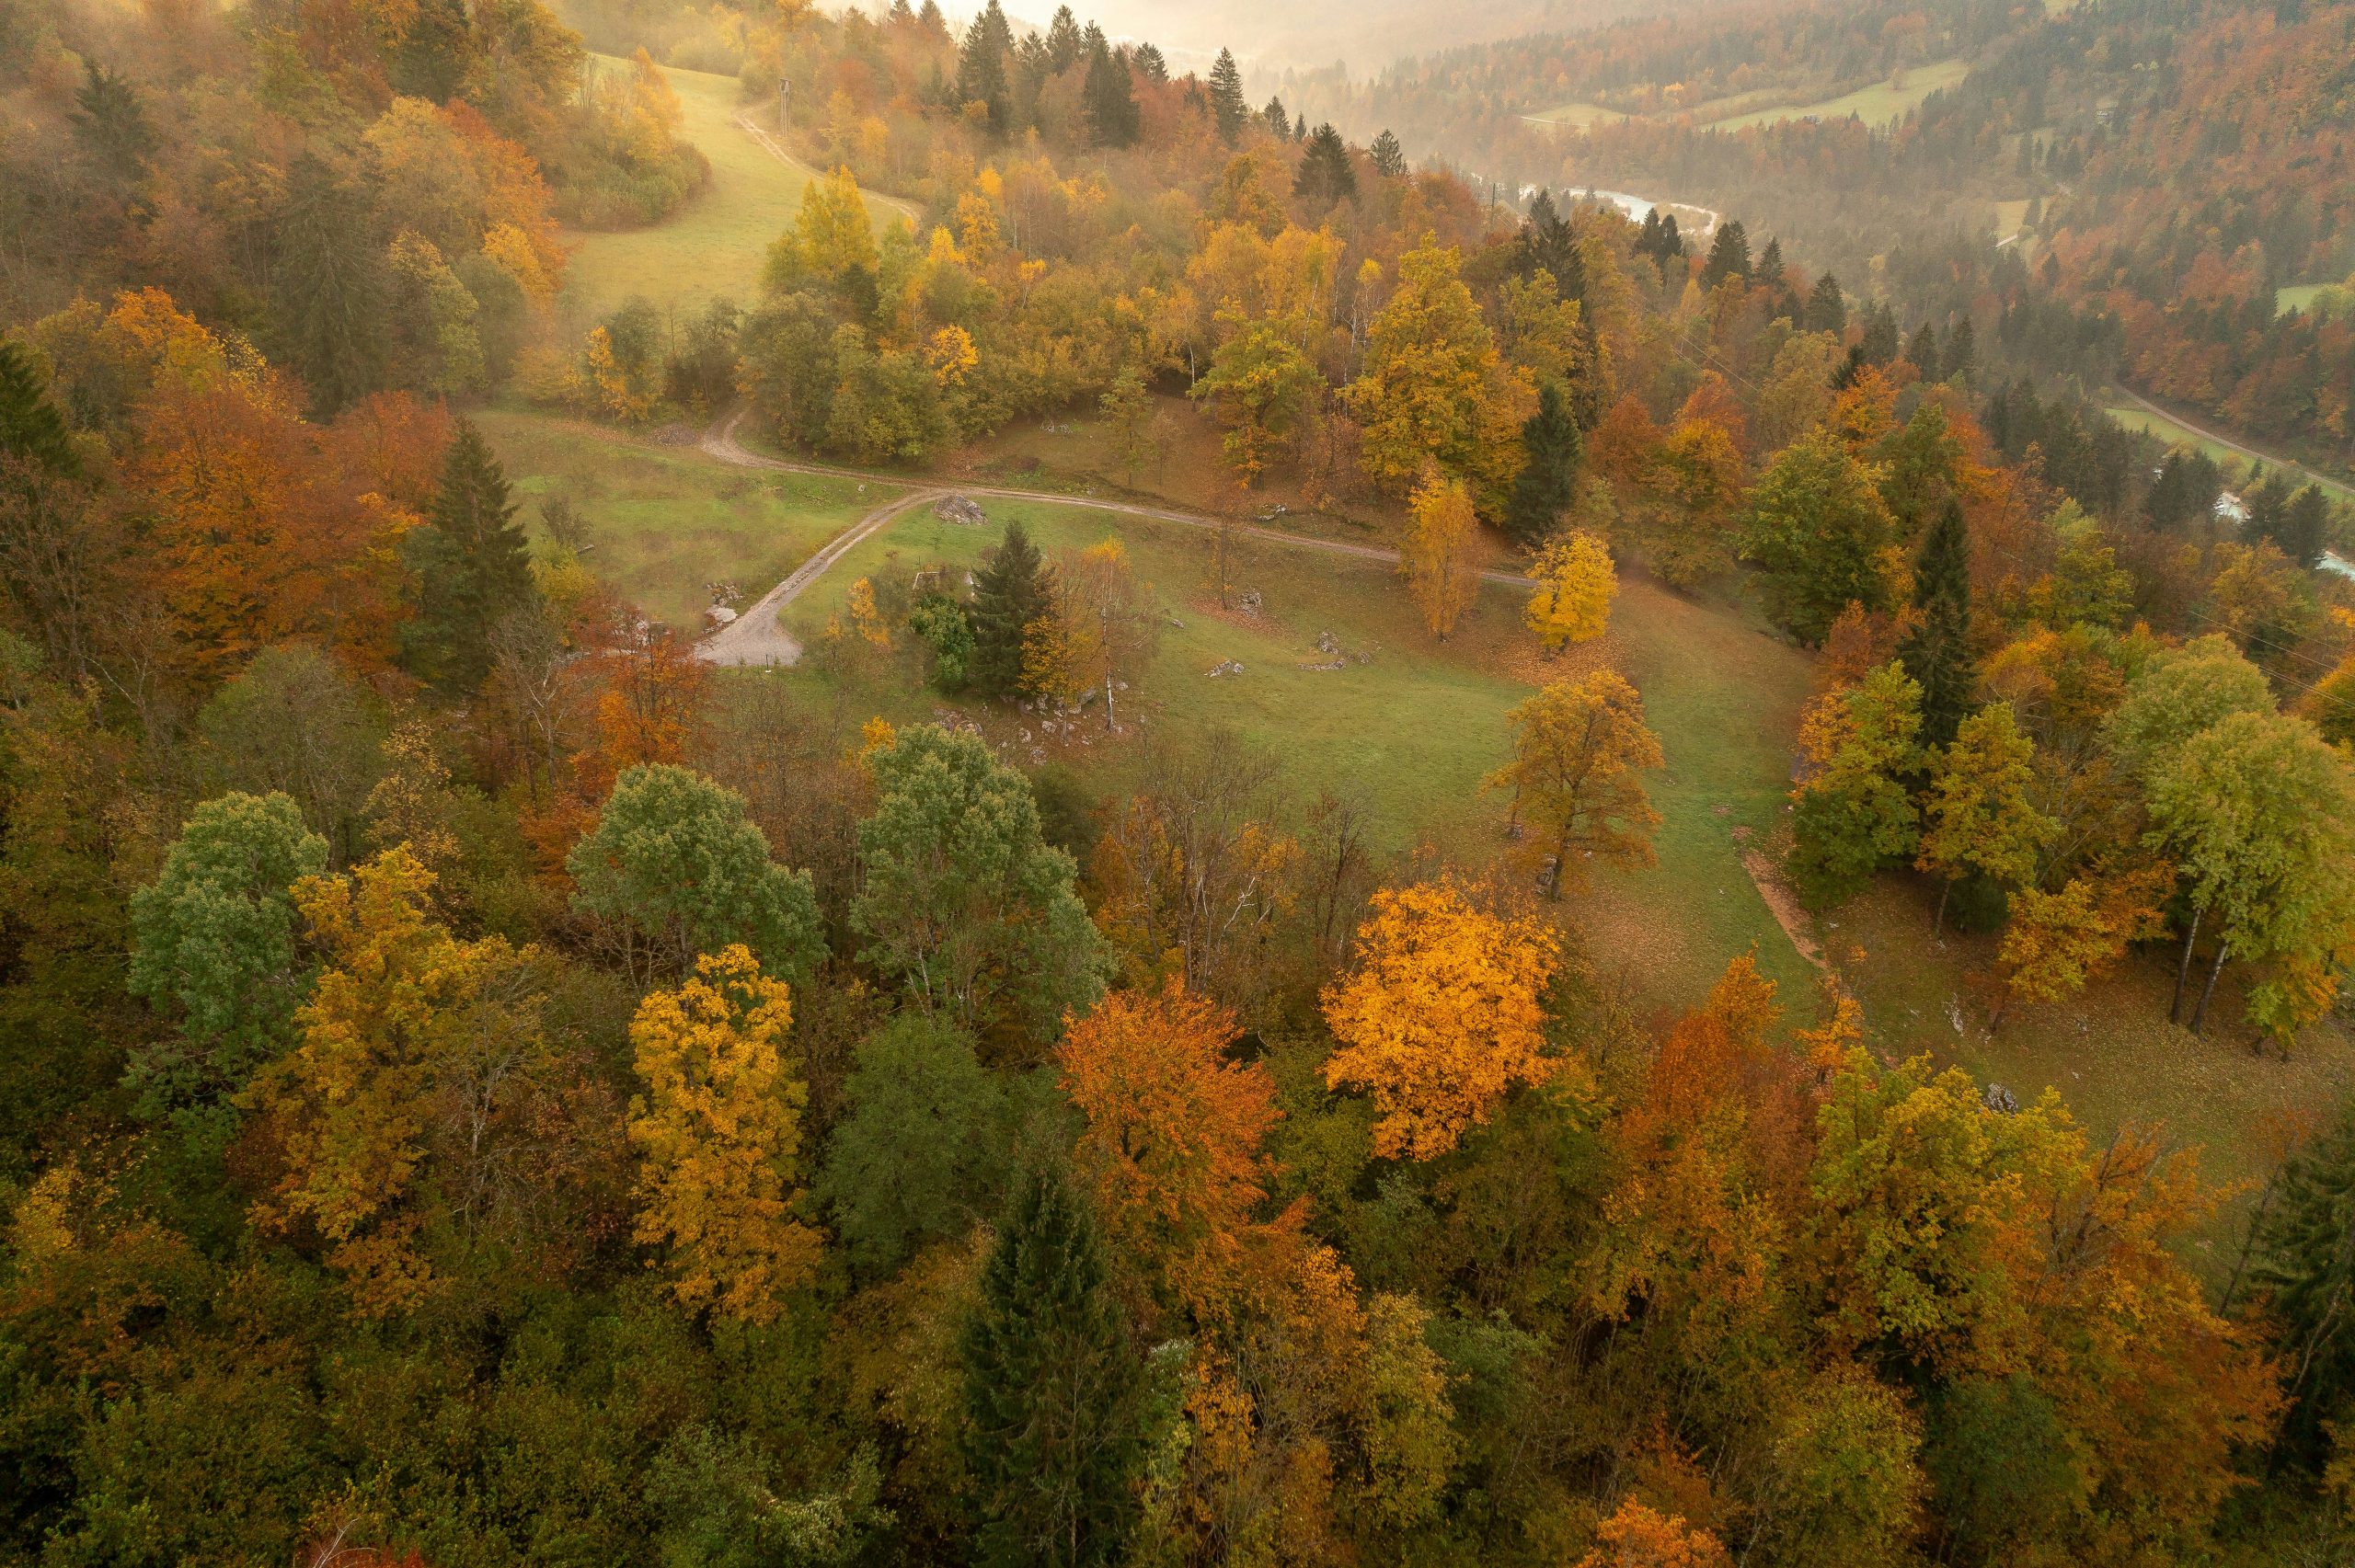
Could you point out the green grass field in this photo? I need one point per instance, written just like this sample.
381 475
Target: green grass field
713 248
666 521
1412 732
1879 104
2175 434
1576 116
2295 296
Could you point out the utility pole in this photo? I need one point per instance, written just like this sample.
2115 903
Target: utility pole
784 104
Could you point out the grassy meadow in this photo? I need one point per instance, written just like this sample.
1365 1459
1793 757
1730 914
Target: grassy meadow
1879 104
666 521
1577 116
714 246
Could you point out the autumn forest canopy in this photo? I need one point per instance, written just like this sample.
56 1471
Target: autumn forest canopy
787 786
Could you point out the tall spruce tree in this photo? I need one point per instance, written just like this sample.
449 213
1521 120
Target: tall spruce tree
1936 653
1228 109
1827 308
1325 176
1546 243
1051 1391
1389 157
980 65
331 286
30 426
1729 255
1923 352
472 565
2305 1258
1112 116
1012 589
1548 482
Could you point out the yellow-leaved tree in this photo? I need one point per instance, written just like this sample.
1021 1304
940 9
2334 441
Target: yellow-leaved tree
719 1135
408 1032
1436 557
1578 745
1442 1015
1576 584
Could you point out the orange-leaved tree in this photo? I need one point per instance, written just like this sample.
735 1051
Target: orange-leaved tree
1172 1152
718 1134
1442 1015
1638 1536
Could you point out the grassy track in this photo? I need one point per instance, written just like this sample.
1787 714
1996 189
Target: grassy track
2174 433
713 248
1879 104
667 522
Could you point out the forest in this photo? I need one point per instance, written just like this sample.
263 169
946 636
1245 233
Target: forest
1740 960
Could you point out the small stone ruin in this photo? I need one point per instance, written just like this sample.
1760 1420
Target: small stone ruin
962 511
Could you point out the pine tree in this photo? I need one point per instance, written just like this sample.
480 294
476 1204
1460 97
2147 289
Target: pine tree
1882 341
110 120
1112 116
2305 523
1729 255
1961 352
980 65
1014 588
1827 309
2302 1255
1923 352
1770 261
472 565
331 287
1278 120
1547 244
1548 482
1389 158
1325 176
1064 46
30 426
1226 97
1150 63
1050 1390
1937 653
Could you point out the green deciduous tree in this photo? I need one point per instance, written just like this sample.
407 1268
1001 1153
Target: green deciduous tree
1981 813
675 867
1853 814
1050 1388
2258 814
213 946
1819 533
918 1156
963 900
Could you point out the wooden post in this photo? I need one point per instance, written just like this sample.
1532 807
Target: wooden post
784 104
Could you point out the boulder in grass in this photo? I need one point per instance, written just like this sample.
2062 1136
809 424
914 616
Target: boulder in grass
962 511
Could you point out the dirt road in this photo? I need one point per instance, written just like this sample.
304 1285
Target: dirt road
756 638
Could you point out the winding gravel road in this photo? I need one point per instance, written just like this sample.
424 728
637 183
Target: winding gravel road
757 637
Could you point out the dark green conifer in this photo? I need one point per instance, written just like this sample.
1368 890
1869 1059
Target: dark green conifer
1051 1391
1326 175
1548 482
1227 108
472 565
30 426
1014 587
1936 653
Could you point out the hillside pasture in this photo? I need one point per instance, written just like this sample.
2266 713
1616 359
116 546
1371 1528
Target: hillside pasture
714 246
1882 103
666 521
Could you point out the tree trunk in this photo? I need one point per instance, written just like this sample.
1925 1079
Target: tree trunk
2183 969
1939 926
2199 1013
